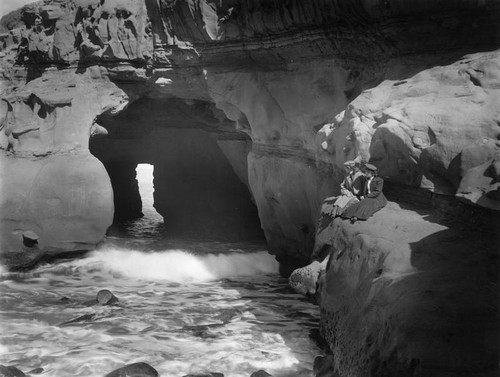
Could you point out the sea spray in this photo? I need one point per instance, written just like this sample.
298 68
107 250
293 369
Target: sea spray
170 265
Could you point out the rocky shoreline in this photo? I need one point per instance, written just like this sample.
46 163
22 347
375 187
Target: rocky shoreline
405 276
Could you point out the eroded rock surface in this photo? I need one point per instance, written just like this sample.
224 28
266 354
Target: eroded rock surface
407 293
310 85
51 184
437 130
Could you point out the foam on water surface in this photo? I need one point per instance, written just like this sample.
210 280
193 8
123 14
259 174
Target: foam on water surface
179 265
180 311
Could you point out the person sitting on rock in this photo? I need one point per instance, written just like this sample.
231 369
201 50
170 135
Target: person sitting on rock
371 200
349 188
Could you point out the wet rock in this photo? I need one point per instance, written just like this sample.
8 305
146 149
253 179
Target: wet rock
36 371
324 366
315 336
82 318
260 373
134 370
203 331
304 280
20 261
227 315
9 371
209 374
104 297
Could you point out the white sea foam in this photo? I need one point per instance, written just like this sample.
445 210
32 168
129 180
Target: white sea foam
175 313
3 349
177 265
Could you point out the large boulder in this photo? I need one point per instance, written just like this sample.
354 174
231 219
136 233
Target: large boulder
406 295
437 129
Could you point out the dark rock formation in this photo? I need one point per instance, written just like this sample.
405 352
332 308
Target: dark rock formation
82 318
36 371
324 366
127 199
134 370
260 373
105 297
10 371
28 258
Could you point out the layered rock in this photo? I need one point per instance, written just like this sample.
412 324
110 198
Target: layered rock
310 84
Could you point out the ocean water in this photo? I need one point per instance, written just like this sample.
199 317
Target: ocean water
185 306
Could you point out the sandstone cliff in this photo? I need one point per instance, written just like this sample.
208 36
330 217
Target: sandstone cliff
266 96
410 292
296 88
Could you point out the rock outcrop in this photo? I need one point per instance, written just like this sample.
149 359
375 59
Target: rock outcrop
410 292
51 184
305 86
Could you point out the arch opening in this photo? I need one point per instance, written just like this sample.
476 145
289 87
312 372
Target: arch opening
199 171
145 181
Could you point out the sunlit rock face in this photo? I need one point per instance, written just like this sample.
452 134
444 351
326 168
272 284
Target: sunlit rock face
51 184
412 88
438 129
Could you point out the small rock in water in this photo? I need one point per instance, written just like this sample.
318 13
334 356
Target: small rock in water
135 370
10 372
36 371
105 297
85 317
261 373
228 314
209 374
